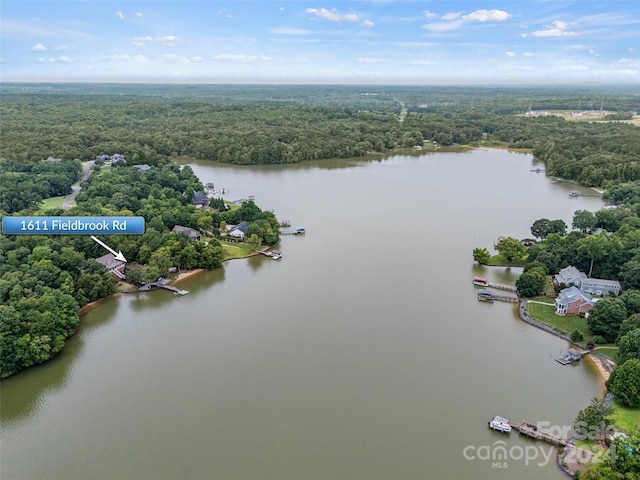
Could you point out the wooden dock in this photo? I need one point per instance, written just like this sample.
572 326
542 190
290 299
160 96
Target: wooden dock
502 286
161 284
293 231
499 298
530 430
175 290
488 295
576 193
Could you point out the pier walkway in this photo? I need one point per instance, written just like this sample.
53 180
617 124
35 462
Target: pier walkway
161 283
293 231
502 286
530 430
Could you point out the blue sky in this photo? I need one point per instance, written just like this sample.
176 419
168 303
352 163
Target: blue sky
315 41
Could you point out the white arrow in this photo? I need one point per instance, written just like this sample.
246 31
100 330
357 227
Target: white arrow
117 256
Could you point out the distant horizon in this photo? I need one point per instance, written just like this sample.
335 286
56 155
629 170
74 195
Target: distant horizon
289 42
327 84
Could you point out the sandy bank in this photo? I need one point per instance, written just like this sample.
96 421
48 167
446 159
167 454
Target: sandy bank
603 366
184 275
92 305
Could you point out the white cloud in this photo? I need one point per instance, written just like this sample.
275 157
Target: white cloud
367 23
38 47
197 59
120 58
529 54
62 59
167 40
555 29
41 60
333 15
120 15
289 31
170 58
454 20
139 14
61 48
229 58
369 60
510 54
487 16
421 62
451 16
429 14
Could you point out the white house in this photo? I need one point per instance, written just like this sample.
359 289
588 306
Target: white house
240 230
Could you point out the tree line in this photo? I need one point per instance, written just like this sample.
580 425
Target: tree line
230 126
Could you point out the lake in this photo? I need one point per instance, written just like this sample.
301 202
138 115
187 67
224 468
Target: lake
362 354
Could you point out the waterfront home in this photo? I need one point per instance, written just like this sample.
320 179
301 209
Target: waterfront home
571 300
240 230
200 199
115 267
189 232
570 275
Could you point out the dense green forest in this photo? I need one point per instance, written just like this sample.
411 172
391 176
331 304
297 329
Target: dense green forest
277 124
45 279
25 185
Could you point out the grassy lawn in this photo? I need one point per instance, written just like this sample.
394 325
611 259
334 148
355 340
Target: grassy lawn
547 314
235 250
627 419
499 261
611 352
53 202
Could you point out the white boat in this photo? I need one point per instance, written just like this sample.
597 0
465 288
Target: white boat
500 424
276 255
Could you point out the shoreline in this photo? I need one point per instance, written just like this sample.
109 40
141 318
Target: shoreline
91 305
602 365
186 275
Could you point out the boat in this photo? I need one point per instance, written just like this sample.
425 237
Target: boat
500 424
485 295
276 255
483 282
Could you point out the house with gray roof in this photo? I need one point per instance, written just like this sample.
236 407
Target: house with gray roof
141 168
570 275
240 230
599 286
115 267
572 301
200 199
189 232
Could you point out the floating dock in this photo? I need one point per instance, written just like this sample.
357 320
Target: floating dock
571 356
272 255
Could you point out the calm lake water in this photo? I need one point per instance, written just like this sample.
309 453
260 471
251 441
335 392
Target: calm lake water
362 354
